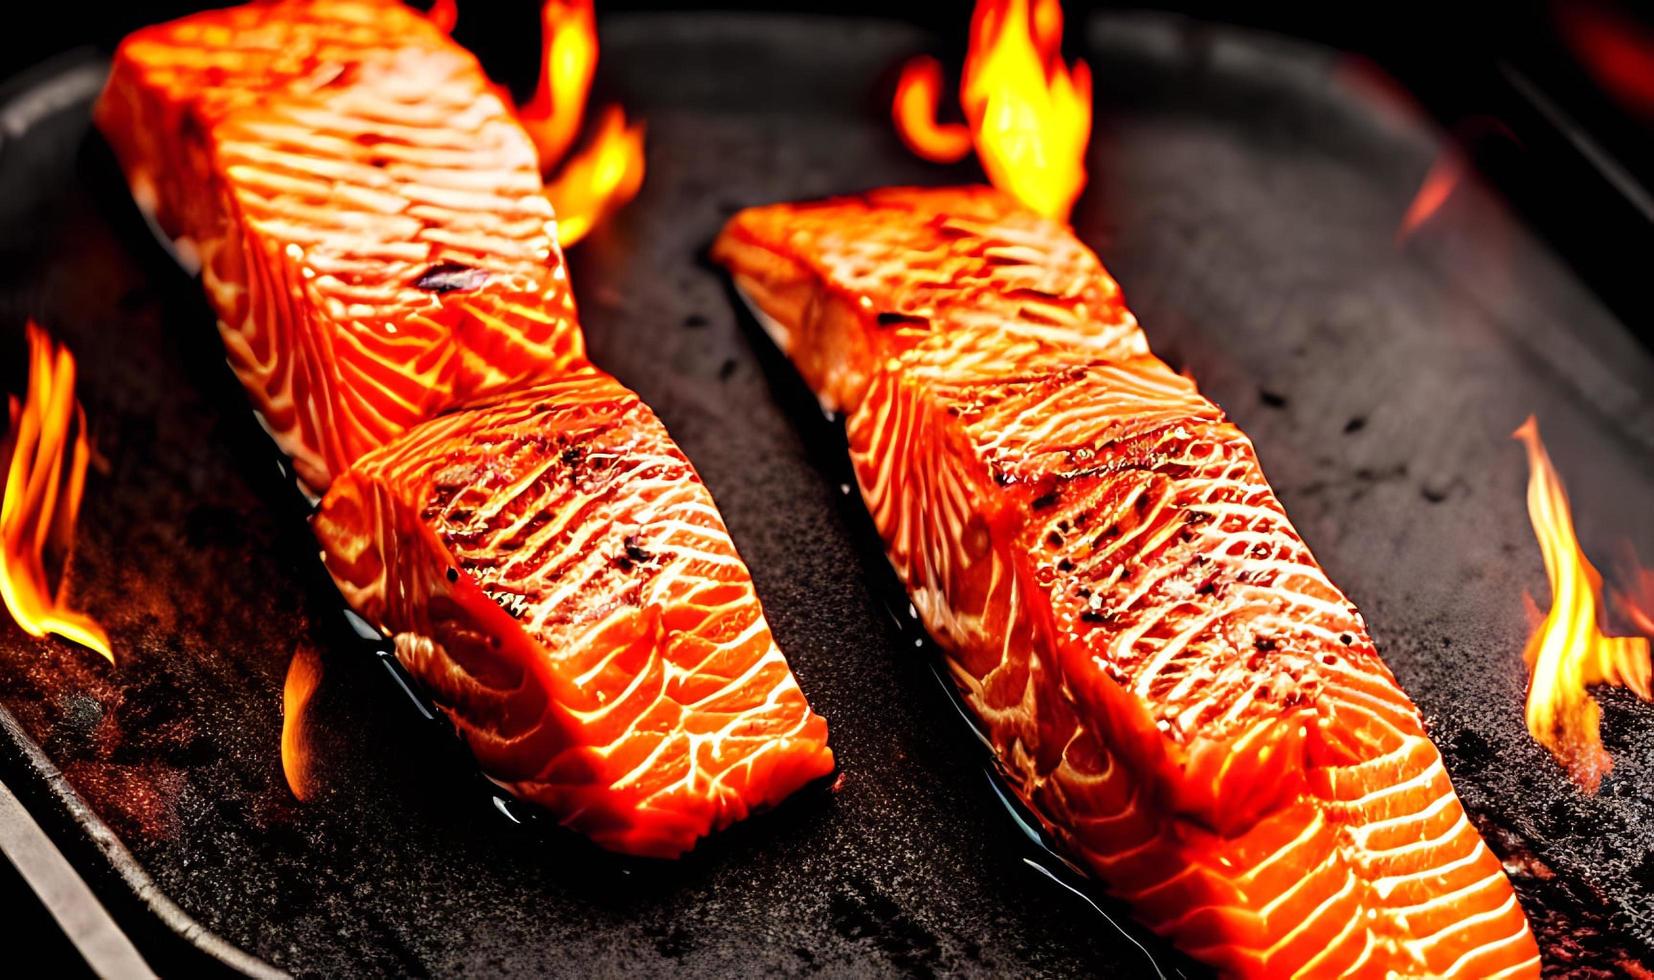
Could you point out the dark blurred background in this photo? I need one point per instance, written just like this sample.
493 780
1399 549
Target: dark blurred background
1552 100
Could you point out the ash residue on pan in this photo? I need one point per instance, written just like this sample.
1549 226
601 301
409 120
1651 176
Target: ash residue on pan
1245 194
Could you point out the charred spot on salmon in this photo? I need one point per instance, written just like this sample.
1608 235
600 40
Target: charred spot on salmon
1064 565
633 554
453 574
1045 500
1346 639
451 277
515 604
892 319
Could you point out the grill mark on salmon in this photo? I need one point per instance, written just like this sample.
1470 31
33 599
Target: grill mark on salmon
1169 680
375 242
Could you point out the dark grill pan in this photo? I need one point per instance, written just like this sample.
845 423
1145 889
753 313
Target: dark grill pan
1246 191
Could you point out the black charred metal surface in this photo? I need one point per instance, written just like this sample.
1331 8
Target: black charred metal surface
1247 193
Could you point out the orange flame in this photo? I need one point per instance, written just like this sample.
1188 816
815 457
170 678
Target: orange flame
918 93
42 497
1568 652
444 14
568 59
304 674
608 173
1440 182
601 178
1029 112
1635 596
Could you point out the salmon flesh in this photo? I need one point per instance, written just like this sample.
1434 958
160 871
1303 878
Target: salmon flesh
370 227
1168 679
555 572
367 215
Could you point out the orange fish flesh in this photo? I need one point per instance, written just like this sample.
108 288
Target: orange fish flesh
1169 680
370 228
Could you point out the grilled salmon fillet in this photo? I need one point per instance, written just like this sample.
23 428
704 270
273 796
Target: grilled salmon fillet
371 231
1169 680
840 308
552 568
367 215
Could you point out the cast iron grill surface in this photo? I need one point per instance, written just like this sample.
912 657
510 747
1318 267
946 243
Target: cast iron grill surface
1246 192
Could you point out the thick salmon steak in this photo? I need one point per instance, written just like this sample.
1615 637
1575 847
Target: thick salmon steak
371 229
1170 681
366 213
553 570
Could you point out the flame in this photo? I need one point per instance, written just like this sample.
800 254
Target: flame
608 172
1029 112
1442 179
599 179
1568 652
46 453
918 92
568 59
444 14
304 674
1635 596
